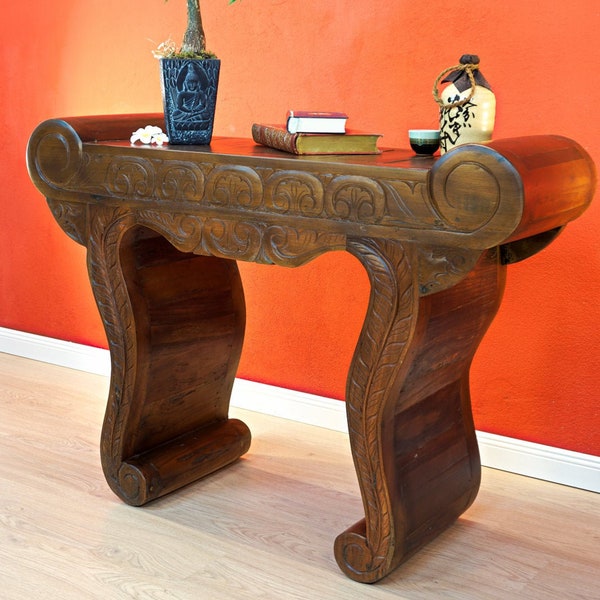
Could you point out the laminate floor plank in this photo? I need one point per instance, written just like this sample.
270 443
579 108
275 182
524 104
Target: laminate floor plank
262 528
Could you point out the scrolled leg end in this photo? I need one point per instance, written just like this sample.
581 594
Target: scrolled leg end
358 560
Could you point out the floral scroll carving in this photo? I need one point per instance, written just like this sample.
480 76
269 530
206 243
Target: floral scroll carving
469 191
234 187
72 218
355 199
319 193
241 240
294 192
441 268
248 240
181 181
131 178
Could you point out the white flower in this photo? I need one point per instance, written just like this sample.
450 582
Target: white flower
153 129
160 138
141 135
151 134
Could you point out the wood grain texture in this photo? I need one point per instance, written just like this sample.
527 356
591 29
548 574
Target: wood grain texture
409 407
175 324
260 529
164 227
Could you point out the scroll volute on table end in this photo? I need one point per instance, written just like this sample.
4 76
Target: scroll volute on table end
514 188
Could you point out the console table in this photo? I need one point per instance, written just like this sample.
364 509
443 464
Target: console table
164 227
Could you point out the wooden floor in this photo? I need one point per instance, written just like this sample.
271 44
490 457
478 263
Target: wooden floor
261 529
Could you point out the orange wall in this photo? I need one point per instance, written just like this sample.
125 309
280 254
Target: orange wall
536 374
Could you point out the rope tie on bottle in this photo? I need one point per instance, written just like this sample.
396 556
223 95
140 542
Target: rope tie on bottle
469 68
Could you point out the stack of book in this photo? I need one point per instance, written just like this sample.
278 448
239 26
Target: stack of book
308 132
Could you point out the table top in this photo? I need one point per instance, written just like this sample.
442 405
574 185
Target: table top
475 196
238 146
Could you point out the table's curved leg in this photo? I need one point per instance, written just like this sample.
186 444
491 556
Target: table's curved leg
409 414
175 324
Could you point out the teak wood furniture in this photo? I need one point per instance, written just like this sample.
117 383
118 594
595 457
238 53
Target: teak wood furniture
164 227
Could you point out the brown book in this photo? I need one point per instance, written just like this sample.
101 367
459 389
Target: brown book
351 142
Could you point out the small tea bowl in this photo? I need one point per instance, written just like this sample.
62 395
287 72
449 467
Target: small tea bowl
424 141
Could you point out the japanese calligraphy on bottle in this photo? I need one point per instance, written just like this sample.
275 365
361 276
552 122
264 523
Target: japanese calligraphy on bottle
467 105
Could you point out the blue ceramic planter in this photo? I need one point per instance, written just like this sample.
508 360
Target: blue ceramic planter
189 88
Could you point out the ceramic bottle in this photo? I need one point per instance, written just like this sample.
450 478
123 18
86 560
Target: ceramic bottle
467 104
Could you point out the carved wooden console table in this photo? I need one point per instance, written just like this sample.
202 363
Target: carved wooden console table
164 227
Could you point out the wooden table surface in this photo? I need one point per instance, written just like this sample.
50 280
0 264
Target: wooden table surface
164 227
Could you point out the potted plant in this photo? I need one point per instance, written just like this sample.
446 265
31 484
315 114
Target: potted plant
189 82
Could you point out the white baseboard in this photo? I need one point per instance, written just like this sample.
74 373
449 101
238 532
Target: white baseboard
498 452
56 352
